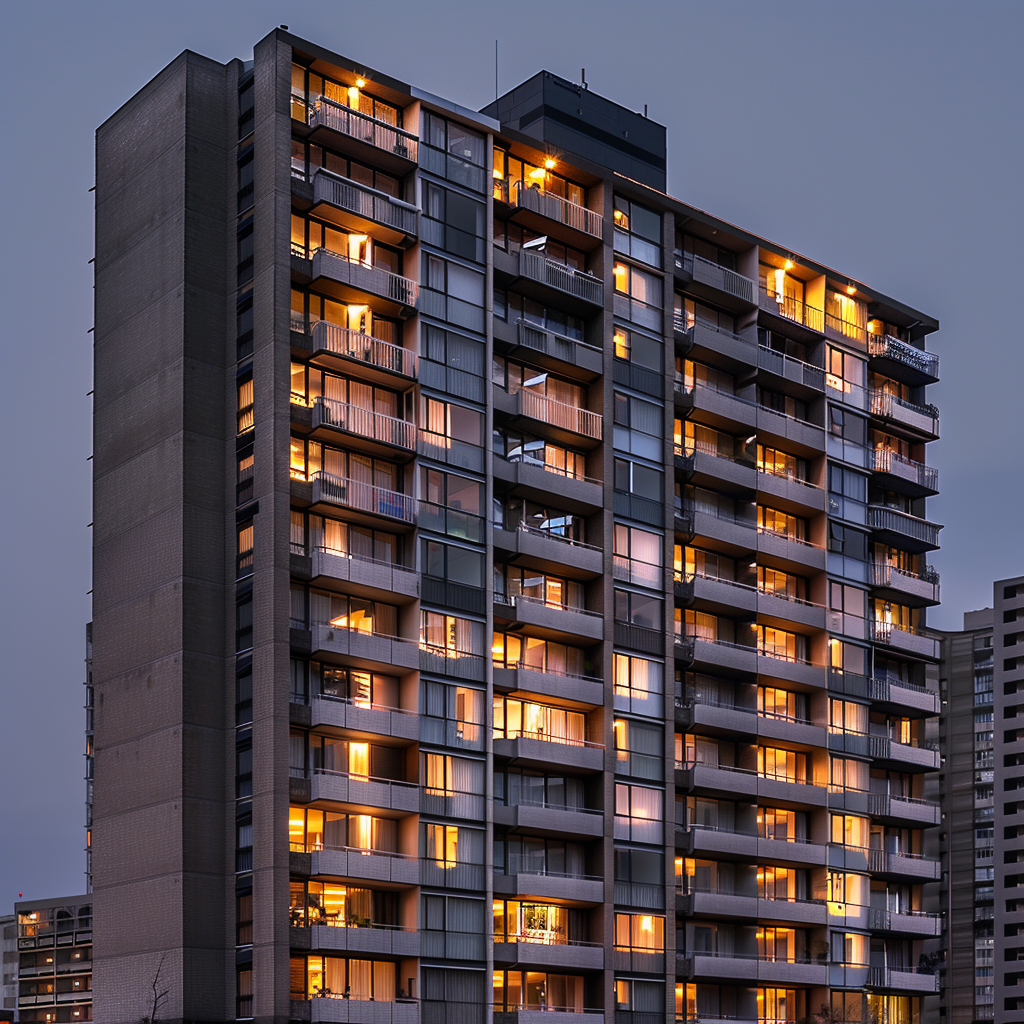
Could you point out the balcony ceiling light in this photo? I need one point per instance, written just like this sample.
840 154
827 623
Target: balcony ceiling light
851 289
788 265
549 163
360 83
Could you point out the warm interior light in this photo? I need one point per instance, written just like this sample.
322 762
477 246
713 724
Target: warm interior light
360 82
850 289
538 172
353 93
549 164
788 264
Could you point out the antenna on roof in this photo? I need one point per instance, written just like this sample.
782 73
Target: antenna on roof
495 69
583 77
645 110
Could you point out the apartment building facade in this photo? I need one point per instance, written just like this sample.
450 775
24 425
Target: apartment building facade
982 671
54 960
554 641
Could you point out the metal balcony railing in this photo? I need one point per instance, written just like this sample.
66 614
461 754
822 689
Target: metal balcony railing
357 125
892 520
885 346
355 419
791 368
792 309
888 406
888 461
882 574
351 344
555 208
364 202
559 414
705 271
365 497
338 267
561 277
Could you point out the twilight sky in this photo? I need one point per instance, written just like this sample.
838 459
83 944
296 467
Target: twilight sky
882 139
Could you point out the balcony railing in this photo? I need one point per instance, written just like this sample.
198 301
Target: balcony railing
714 275
792 309
354 419
790 368
363 496
888 461
885 575
364 202
558 414
561 277
891 520
357 125
548 467
367 278
555 208
885 346
364 348
550 343
888 406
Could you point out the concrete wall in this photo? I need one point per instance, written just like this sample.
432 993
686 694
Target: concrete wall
164 184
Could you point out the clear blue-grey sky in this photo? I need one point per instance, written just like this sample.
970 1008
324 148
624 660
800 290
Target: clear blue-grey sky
883 139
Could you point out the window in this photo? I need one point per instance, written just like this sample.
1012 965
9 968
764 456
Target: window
639 749
453 221
356 613
843 371
778 643
445 424
848 542
639 295
454 138
453 564
361 980
518 718
450 636
245 547
637 348
246 412
847 716
522 921
512 582
355 686
776 583
644 933
847 425
639 427
638 555
511 174
553 458
637 231
771 520
510 650
634 478
639 812
638 684
783 765
243 623
452 350
459 711
536 990
778 463
639 609
516 787
775 703
850 830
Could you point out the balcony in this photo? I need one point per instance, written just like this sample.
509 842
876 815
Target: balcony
904 809
903 696
731 532
452 803
548 213
547 348
340 347
377 939
903 756
551 885
750 968
547 683
549 551
344 713
902 362
792 310
360 496
715 593
372 431
365 576
364 791
920 419
810 380
350 279
539 750
709 465
904 475
790 493
721 409
540 952
905 587
707 274
552 1015
364 865
905 639
361 135
551 819
553 621
783 551
365 650
711 653
917 923
797 436
450 662
906 980
903 865
531 478
337 1010
707 341
363 209
558 281
559 418
902 530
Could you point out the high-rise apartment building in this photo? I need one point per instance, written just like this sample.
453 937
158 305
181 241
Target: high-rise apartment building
982 675
508 580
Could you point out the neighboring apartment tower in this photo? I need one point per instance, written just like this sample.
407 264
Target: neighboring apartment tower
982 674
54 960
9 961
508 580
